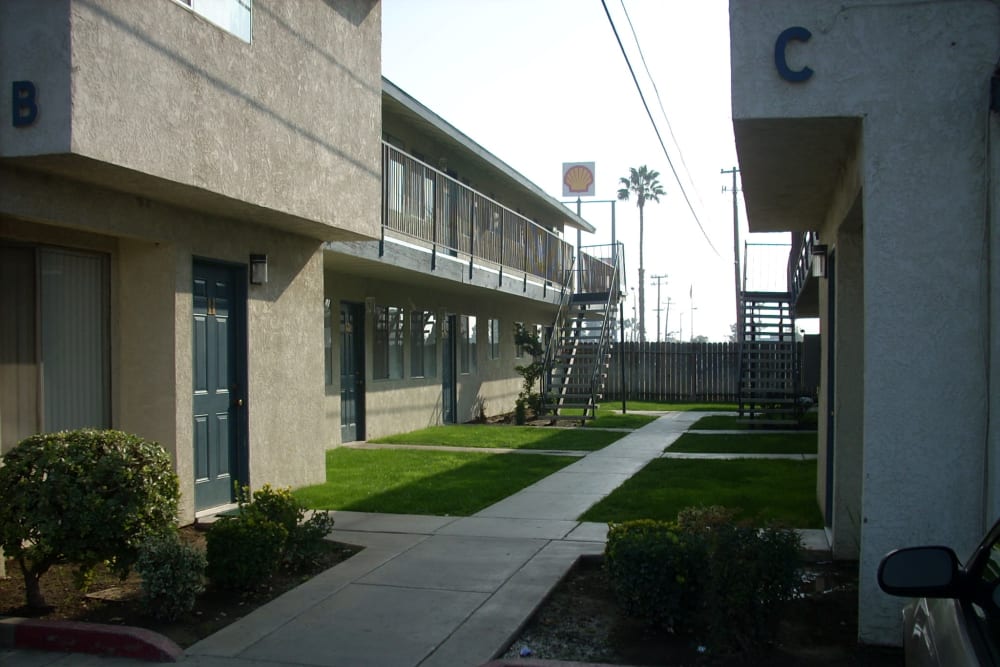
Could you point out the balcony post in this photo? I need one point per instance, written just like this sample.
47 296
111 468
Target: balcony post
472 235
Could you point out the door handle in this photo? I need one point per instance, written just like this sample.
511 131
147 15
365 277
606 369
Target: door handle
238 402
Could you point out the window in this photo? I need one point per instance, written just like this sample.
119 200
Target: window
328 341
54 341
423 344
387 361
494 338
519 330
233 16
467 344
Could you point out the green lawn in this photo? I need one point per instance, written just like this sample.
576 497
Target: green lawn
423 482
734 423
761 491
675 407
749 443
505 436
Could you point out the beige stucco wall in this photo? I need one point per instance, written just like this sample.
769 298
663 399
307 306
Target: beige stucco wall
396 406
917 75
151 317
174 108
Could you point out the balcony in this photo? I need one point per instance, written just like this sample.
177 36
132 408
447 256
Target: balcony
441 228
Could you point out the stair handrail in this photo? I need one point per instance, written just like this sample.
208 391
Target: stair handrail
614 295
554 336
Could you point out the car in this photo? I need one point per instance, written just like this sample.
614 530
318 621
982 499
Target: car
955 618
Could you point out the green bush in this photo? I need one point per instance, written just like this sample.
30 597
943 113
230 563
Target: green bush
243 551
83 497
298 544
705 576
173 575
656 571
752 574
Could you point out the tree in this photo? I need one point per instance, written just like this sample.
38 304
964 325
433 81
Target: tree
83 497
645 185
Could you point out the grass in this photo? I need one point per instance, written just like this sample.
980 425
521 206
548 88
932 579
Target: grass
760 491
679 407
733 423
423 482
505 436
749 443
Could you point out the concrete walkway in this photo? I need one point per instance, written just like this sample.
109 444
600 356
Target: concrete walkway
427 590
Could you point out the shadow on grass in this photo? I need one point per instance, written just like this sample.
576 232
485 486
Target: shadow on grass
505 436
749 443
423 482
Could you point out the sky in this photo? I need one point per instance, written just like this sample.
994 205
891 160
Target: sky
542 82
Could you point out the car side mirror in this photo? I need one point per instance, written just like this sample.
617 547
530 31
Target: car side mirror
920 572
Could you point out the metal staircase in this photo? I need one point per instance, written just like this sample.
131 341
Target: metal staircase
769 362
579 349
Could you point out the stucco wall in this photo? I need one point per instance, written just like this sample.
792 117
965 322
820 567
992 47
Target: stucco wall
396 406
289 123
918 75
849 402
151 313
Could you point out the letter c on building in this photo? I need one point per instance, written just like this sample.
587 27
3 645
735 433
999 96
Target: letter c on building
798 34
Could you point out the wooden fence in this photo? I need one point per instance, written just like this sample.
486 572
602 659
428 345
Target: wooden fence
675 372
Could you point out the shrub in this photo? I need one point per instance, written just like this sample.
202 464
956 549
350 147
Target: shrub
656 571
705 576
173 575
83 497
752 574
297 544
243 551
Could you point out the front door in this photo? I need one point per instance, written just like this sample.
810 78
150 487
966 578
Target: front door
219 353
352 372
449 344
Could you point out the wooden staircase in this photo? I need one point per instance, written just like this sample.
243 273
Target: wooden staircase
769 390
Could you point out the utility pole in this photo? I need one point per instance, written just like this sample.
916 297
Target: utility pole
657 310
666 320
736 253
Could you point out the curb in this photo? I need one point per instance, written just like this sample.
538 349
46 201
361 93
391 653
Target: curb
120 641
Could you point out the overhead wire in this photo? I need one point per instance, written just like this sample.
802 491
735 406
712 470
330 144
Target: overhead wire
659 102
656 129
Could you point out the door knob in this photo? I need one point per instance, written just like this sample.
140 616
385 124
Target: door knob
239 402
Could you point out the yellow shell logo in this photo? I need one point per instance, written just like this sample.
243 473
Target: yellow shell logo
578 179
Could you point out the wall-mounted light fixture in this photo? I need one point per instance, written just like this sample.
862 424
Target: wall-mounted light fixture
819 261
258 269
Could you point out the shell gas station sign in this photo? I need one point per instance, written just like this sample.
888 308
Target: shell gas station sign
578 179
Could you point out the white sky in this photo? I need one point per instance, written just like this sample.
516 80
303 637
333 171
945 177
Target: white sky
542 82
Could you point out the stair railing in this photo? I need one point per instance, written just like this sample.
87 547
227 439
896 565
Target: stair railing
553 342
614 294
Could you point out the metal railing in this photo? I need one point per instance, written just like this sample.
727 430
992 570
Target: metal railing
800 262
420 202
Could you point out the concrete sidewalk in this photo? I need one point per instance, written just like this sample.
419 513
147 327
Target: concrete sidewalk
427 590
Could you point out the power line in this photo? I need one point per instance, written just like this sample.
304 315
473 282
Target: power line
659 102
673 169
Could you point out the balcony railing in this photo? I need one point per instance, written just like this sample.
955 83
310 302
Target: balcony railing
422 203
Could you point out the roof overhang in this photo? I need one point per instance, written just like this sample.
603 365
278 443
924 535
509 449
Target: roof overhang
793 169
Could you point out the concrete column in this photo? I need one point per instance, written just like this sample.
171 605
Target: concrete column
849 395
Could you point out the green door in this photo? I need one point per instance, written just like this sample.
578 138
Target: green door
352 372
219 353
449 332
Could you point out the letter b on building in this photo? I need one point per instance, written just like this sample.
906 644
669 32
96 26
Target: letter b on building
24 106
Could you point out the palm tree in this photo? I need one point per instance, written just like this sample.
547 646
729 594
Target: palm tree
645 185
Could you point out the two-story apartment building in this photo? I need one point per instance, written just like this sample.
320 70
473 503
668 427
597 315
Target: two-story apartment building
205 240
872 127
